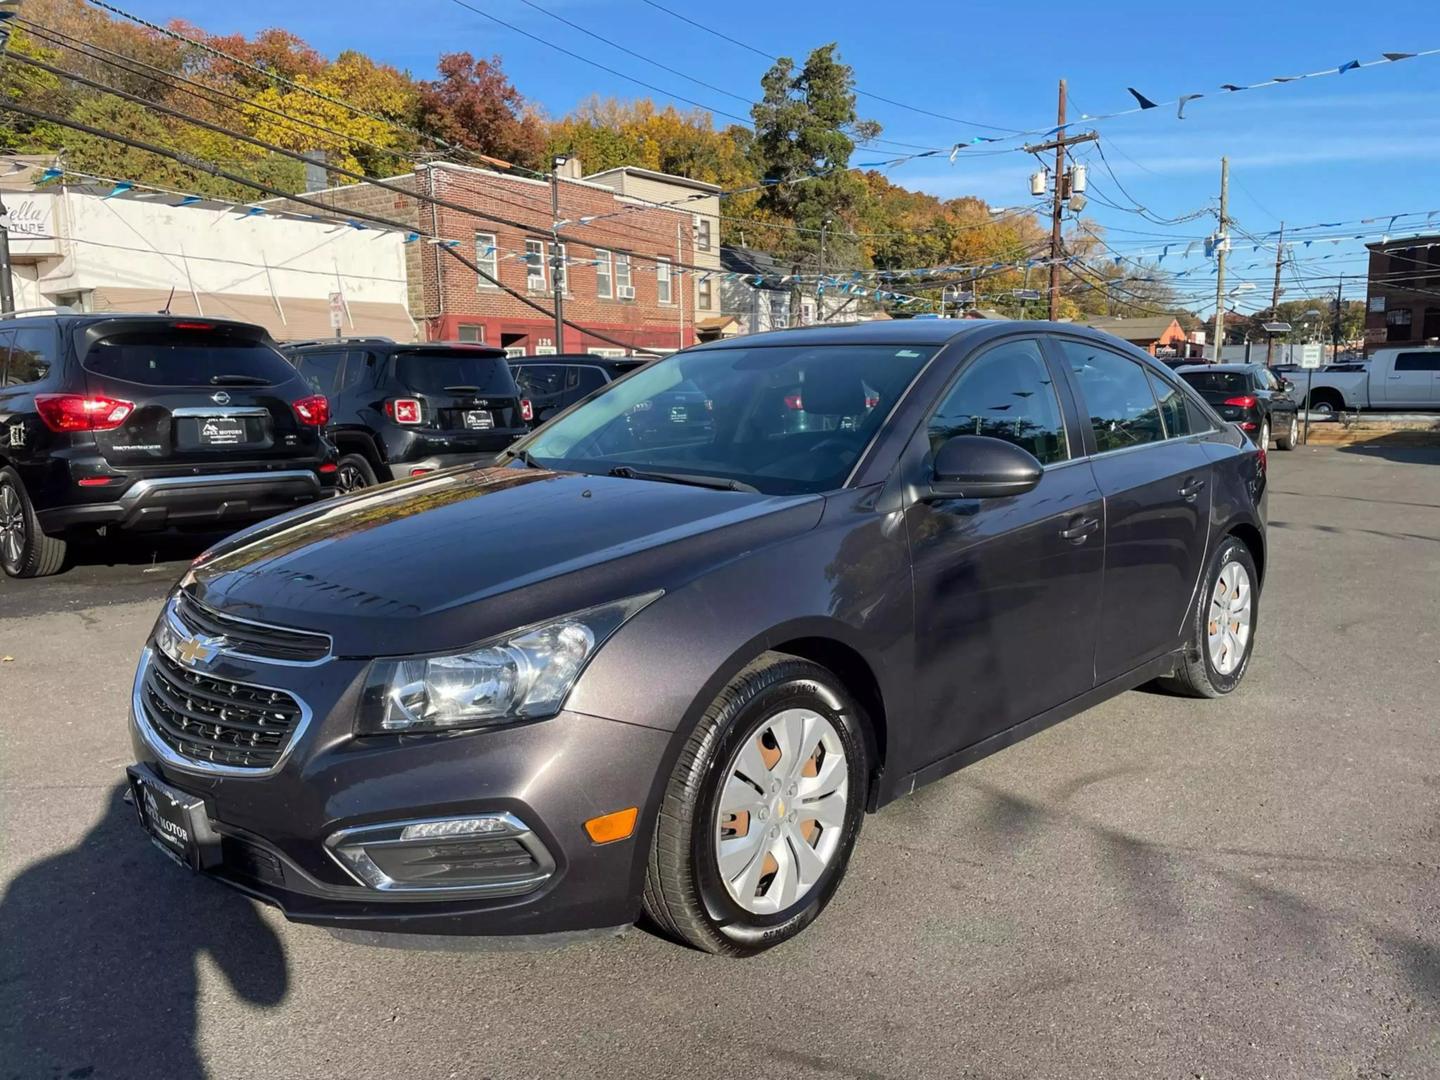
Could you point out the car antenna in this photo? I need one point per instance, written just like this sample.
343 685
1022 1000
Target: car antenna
168 301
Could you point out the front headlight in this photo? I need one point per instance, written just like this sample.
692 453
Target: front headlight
524 675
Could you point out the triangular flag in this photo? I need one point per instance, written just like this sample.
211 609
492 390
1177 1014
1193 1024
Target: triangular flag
1349 65
1232 87
356 224
410 238
1145 103
120 188
188 200
255 211
1397 55
49 175
1180 113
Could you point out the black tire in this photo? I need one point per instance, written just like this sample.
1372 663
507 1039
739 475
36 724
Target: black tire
684 893
1196 675
1291 438
1262 437
38 555
353 473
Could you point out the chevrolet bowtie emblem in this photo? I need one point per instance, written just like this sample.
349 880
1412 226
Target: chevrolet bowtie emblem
196 651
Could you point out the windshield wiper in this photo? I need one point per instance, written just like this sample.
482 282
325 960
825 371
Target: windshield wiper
238 380
694 479
524 455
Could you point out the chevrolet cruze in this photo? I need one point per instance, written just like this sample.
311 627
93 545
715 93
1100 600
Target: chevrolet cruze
670 674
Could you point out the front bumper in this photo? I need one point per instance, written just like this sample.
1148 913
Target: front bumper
551 775
207 499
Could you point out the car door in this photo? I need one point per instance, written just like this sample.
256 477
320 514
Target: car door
1007 590
1280 406
1414 382
1155 479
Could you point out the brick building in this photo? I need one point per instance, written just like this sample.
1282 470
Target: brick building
623 272
1403 303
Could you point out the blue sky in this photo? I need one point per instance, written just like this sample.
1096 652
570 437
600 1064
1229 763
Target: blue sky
1359 145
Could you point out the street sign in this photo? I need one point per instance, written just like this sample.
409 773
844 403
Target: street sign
337 311
1310 356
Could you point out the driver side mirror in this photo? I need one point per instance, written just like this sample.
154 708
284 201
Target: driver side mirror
979 467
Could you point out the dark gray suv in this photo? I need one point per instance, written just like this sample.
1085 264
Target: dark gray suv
622 674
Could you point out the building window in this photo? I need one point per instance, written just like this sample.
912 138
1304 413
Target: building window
707 295
624 287
1397 324
603 288
535 265
702 234
662 281
472 333
487 259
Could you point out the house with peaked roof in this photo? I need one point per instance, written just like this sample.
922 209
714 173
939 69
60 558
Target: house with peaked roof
1159 335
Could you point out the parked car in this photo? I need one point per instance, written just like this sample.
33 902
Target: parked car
1393 378
554 383
407 410
146 422
618 675
1252 396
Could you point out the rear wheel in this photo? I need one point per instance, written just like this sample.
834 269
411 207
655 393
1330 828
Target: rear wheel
1222 633
352 473
761 812
25 551
1263 439
1290 438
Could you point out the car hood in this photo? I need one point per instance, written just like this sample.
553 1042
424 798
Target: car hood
451 559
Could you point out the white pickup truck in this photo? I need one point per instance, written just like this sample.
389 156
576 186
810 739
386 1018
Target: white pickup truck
1395 378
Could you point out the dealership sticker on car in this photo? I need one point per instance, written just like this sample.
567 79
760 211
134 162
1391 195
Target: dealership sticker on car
479 420
177 822
221 431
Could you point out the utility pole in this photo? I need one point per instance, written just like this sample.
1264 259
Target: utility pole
1221 244
1275 296
820 284
1339 314
675 290
1059 144
557 264
7 286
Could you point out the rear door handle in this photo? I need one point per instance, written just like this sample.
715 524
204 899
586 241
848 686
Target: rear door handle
1191 489
1077 533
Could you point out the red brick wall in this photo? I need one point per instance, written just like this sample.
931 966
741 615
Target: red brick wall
464 301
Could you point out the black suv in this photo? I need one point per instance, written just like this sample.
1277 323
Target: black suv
406 410
145 422
554 383
1251 395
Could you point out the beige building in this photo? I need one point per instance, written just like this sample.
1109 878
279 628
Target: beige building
702 201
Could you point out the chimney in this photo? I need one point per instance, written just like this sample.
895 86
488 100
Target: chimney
572 169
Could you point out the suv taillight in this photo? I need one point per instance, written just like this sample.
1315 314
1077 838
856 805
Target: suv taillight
76 412
313 411
403 410
527 411
1244 401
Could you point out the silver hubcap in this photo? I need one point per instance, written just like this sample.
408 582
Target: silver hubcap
1265 435
782 811
12 525
1294 430
1229 626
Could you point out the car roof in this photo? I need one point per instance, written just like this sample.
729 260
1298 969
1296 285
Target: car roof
912 332
85 318
1217 367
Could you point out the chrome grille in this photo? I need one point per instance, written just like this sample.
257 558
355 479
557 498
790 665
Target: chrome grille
205 719
258 641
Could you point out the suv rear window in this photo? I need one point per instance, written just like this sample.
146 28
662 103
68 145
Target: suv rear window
431 371
181 360
1218 382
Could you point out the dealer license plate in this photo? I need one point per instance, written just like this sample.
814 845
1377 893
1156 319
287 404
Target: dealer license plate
221 431
176 822
479 420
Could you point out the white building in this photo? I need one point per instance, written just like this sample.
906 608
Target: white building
140 252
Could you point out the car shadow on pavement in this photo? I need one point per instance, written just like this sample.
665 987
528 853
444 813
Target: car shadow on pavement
1402 447
99 958
139 549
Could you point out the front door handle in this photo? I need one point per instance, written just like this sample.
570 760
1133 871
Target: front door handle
1077 532
1191 489
1395 376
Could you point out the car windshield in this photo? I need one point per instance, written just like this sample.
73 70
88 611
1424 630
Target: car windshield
431 371
1218 382
781 419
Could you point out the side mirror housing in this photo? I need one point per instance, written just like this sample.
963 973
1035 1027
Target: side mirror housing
979 467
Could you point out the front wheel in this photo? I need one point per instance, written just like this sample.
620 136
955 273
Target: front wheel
761 812
1222 626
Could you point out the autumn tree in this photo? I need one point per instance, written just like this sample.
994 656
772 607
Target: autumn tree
474 105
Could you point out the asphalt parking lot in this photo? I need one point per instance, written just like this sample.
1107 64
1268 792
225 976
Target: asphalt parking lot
1158 888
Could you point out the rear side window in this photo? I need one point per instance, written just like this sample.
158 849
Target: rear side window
1117 395
1218 382
540 380
161 359
432 371
1172 407
1006 393
1418 361
32 355
321 369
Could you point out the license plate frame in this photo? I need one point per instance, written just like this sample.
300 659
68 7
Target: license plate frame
176 822
479 420
221 430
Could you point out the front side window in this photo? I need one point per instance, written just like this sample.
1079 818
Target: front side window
1172 407
535 265
1006 393
1418 361
1116 392
487 259
781 419
603 287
